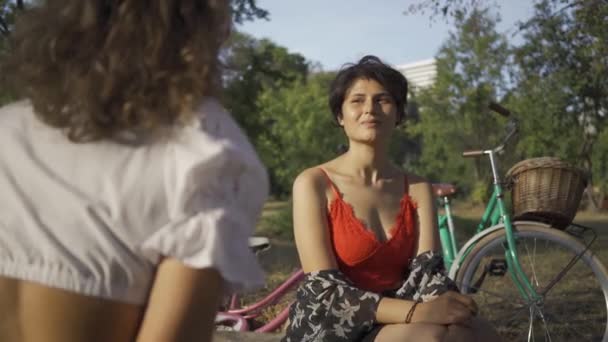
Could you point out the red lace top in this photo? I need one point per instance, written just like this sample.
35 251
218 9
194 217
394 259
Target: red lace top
370 264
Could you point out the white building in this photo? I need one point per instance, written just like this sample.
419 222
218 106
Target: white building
419 74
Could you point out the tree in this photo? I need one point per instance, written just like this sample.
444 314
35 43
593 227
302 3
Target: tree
471 69
563 80
301 131
247 10
255 69
8 10
251 66
444 8
560 82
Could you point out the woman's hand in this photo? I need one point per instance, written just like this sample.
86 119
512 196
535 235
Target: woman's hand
449 308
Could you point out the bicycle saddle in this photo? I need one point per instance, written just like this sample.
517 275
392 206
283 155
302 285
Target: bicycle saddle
258 243
443 189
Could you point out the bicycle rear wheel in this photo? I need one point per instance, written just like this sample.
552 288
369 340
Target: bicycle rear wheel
575 308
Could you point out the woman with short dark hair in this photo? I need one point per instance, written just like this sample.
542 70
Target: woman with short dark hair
366 232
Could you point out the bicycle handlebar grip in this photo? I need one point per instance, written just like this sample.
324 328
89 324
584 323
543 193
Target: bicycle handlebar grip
469 154
499 109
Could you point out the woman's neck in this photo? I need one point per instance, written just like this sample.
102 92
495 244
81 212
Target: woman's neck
368 161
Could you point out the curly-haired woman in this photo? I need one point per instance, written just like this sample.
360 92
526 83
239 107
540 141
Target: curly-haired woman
128 192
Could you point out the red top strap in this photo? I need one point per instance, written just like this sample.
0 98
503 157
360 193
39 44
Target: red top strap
331 184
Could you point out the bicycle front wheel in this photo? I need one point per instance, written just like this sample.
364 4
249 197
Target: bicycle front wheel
574 300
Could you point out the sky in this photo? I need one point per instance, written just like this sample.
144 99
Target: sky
334 32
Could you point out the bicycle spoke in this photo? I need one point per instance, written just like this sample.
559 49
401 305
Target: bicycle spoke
545 323
531 326
559 323
532 262
561 274
495 294
510 317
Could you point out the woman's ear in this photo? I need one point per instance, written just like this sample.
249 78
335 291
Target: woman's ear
340 120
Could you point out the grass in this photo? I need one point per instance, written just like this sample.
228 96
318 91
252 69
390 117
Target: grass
281 260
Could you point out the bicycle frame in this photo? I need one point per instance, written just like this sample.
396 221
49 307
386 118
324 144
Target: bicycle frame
490 217
494 214
240 317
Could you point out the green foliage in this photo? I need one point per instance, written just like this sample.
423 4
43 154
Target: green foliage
558 86
454 118
480 193
251 66
444 8
8 10
563 84
255 68
300 130
247 10
278 224
600 162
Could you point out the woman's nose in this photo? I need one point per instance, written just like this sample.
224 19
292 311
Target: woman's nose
368 107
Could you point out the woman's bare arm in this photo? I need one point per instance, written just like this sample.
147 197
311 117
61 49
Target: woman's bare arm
182 304
428 233
310 222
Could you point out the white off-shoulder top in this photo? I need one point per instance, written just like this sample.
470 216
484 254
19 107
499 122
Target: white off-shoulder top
95 218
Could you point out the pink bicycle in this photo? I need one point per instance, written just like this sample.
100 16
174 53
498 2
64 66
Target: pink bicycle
233 317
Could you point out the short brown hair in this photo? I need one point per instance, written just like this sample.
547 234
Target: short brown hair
372 68
98 68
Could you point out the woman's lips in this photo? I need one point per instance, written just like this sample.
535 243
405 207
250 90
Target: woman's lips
371 123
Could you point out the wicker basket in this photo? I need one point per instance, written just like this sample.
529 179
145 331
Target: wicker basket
546 189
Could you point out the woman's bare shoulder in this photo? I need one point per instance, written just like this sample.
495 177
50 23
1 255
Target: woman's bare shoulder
310 185
311 176
415 179
419 186
315 176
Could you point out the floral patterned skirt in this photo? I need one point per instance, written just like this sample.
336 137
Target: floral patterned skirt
329 307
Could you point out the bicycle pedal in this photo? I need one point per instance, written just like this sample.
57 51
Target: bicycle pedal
497 267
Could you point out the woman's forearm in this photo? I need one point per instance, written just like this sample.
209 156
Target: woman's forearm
392 310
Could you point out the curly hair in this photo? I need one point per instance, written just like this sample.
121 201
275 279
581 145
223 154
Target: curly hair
100 68
372 68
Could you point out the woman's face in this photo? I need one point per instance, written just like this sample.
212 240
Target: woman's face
369 113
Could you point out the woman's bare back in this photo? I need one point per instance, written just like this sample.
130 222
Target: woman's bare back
32 312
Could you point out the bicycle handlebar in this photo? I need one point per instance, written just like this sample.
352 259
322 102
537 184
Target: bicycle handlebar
512 128
470 154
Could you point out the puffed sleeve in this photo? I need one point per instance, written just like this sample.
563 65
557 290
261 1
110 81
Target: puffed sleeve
216 187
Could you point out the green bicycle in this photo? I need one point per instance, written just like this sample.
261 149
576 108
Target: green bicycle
532 280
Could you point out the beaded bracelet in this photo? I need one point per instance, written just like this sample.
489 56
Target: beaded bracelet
408 317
